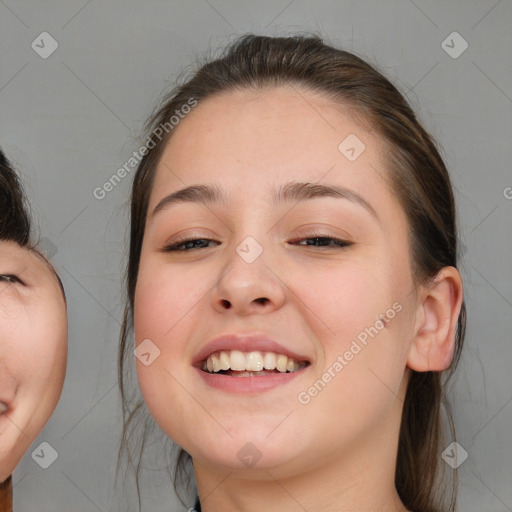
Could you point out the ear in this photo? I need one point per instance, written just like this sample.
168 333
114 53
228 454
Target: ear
437 314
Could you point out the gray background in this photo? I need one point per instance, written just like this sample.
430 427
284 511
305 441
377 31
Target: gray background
71 120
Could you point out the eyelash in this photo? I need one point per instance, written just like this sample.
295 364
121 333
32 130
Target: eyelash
174 247
10 278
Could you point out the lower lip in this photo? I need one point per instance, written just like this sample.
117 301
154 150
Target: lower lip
247 384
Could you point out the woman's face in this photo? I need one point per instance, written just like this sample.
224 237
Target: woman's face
267 268
33 349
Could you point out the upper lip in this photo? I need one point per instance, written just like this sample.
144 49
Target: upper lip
245 343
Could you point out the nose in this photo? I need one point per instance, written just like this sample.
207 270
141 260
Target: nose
247 288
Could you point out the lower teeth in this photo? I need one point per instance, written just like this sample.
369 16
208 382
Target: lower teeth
234 373
245 373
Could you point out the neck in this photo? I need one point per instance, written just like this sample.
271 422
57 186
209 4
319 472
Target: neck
6 496
359 479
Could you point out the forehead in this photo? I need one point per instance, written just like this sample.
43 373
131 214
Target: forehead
10 251
279 123
248 139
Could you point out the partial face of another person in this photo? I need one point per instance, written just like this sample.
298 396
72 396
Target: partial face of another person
312 295
33 349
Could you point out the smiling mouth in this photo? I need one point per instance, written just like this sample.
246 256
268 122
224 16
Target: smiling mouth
235 363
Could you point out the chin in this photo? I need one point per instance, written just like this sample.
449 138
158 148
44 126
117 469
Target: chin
244 453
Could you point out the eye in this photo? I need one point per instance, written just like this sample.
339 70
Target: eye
323 241
202 243
10 278
189 243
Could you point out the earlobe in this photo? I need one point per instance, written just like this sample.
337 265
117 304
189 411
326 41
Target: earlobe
437 314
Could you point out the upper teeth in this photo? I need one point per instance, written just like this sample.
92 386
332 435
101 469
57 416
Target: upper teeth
250 361
3 407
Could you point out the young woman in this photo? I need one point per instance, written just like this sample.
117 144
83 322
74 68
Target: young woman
292 285
33 333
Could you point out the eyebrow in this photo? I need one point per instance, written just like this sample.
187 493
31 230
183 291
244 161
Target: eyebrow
293 191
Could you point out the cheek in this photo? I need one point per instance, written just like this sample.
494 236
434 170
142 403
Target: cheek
43 349
22 347
359 316
340 303
167 307
166 300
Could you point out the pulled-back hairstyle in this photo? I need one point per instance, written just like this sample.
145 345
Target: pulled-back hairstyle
417 176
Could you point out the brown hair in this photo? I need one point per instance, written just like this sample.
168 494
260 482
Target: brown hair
6 495
418 177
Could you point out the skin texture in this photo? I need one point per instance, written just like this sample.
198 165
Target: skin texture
337 452
33 349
